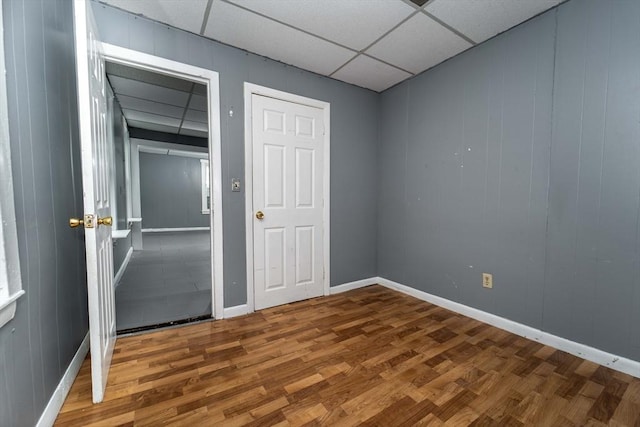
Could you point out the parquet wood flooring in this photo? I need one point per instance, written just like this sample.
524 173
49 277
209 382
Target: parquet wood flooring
371 357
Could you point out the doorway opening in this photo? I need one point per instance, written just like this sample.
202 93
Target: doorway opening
166 186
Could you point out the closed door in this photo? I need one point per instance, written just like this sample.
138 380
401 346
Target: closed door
92 107
287 201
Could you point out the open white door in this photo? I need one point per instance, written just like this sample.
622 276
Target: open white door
92 109
288 228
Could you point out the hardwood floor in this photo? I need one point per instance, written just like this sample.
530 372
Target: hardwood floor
371 357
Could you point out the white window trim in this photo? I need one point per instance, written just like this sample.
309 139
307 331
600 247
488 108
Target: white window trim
10 278
204 176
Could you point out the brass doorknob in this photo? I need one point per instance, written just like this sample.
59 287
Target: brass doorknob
107 220
259 215
74 222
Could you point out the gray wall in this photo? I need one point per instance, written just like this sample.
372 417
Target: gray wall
520 158
120 246
592 282
118 142
170 192
51 319
120 249
354 114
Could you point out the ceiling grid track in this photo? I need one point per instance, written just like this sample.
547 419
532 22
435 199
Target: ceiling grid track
374 44
363 51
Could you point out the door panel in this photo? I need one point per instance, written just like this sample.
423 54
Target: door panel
287 181
305 237
274 179
92 107
305 177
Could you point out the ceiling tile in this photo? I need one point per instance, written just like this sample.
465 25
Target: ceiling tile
192 132
480 20
148 91
367 72
237 27
200 89
151 77
198 103
418 44
196 116
195 126
140 116
131 103
187 15
351 23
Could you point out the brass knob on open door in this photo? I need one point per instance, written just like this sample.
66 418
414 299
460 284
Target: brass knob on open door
259 215
107 220
74 222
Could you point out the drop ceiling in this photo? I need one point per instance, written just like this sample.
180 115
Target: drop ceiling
374 44
158 102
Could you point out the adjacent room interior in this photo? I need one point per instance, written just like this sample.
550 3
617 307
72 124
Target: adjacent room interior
160 199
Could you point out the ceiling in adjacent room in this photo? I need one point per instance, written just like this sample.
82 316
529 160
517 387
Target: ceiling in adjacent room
370 43
159 102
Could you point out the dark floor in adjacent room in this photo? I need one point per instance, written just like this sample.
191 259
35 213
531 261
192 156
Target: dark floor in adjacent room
167 281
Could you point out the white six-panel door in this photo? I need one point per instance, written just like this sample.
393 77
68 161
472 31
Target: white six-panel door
288 191
92 105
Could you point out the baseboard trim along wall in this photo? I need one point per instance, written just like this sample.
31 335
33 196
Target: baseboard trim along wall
353 285
123 267
235 311
52 409
595 355
169 230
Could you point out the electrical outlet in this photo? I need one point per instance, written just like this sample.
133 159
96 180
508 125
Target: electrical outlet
487 280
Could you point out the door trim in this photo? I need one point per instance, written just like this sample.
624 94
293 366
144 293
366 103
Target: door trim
253 89
210 78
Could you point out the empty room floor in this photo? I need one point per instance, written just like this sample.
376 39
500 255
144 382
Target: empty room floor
169 280
371 356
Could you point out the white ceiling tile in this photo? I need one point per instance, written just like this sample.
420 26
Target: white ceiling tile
246 30
367 72
131 103
187 15
148 91
196 116
482 19
352 23
418 44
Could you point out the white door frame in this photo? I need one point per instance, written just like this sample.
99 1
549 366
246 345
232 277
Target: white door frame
209 78
253 89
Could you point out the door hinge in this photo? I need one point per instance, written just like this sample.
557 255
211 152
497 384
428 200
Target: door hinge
88 221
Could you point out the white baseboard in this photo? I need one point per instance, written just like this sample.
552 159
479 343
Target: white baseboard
353 285
595 355
52 409
238 310
123 267
169 230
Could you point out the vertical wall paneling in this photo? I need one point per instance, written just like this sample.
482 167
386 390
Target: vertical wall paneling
520 157
592 287
51 319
